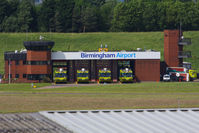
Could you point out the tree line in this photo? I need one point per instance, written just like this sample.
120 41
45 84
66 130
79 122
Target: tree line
98 15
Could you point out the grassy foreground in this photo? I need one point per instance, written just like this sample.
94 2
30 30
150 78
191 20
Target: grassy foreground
23 98
92 41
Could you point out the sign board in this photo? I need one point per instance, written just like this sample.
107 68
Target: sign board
104 55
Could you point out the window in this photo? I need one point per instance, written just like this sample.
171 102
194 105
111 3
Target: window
38 62
24 62
10 75
16 75
9 62
16 62
37 76
59 63
24 75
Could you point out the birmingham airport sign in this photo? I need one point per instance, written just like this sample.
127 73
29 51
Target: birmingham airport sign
104 55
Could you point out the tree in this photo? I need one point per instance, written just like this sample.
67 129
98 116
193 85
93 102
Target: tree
10 24
89 19
106 15
47 16
76 18
149 17
3 9
128 16
64 10
25 16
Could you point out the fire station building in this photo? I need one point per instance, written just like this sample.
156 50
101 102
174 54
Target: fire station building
38 61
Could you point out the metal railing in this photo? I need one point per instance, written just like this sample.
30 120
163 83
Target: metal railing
185 41
184 54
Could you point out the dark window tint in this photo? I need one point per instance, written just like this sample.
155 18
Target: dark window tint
24 75
10 75
17 76
37 76
16 62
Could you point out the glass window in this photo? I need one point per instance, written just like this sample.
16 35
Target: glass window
105 74
10 75
17 76
24 62
24 75
37 76
126 74
16 62
82 74
9 62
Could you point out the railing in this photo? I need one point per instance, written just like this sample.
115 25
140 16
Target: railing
184 54
185 41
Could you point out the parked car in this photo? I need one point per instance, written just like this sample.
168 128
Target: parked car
166 77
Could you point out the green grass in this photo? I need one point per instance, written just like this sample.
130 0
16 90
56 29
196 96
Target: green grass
92 41
23 98
151 87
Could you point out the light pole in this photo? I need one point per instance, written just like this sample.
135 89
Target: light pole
9 71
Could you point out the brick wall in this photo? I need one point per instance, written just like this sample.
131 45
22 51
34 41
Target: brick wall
147 70
38 55
171 48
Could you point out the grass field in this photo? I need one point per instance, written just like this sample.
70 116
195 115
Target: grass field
92 41
23 98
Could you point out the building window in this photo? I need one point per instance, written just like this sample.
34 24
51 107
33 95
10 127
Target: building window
38 62
24 62
37 76
60 63
17 76
16 62
10 75
9 62
24 75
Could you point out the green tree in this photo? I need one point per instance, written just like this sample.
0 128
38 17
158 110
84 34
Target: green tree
149 18
3 10
46 16
64 10
89 19
25 16
10 24
106 15
76 18
191 16
128 16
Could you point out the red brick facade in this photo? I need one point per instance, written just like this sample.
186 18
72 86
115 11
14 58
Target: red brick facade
147 70
38 55
31 65
171 48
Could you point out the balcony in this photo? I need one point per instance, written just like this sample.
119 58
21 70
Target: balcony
184 54
185 41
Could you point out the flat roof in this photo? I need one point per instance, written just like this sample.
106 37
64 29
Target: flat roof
128 121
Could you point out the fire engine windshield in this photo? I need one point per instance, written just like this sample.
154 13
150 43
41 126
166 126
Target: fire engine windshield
105 75
60 75
82 74
126 74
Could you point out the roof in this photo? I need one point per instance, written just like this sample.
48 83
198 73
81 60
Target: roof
28 123
128 121
41 45
15 55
